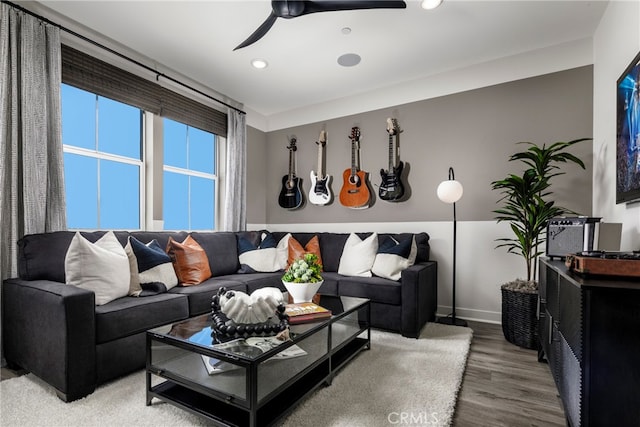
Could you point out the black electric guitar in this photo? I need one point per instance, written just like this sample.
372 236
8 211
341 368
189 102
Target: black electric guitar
320 192
391 188
291 193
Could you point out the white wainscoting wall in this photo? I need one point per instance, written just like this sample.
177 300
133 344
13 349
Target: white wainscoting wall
481 268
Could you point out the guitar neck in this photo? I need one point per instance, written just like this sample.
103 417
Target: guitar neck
291 165
354 148
392 160
320 162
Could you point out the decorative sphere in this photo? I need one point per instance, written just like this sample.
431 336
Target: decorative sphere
449 191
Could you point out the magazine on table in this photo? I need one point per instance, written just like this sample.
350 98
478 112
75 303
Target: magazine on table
251 347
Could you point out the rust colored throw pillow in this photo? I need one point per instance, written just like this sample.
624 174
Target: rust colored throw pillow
189 261
297 251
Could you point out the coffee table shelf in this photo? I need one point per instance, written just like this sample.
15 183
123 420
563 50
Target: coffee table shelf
260 389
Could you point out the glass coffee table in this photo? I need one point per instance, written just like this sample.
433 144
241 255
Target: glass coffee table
253 382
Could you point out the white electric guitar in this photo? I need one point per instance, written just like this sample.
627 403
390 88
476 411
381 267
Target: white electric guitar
320 192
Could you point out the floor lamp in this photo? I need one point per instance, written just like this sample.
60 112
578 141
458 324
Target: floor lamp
450 191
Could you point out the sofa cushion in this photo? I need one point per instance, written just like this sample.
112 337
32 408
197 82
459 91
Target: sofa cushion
190 261
222 251
200 296
377 289
358 255
257 280
394 256
127 316
422 245
330 283
155 269
101 267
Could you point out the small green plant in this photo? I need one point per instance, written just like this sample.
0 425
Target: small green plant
526 199
304 270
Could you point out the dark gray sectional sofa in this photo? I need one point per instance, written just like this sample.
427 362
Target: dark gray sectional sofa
57 332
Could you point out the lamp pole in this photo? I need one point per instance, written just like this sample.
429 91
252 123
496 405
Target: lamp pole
450 191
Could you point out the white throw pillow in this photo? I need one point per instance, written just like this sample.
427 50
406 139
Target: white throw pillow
101 267
358 255
282 250
266 257
134 280
393 257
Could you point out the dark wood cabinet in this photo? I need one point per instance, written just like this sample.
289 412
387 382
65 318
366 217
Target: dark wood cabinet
589 331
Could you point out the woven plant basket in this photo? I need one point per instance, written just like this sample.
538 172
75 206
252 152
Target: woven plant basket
519 319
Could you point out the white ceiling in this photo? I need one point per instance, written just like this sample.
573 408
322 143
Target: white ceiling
197 38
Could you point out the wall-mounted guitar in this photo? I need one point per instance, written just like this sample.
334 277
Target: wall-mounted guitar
291 194
355 191
320 191
391 189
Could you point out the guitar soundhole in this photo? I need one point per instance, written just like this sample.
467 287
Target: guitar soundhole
354 180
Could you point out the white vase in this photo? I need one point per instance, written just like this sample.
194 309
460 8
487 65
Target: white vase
302 292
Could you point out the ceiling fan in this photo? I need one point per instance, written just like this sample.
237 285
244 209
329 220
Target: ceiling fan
293 8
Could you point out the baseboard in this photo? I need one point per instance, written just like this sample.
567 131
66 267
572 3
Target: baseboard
472 315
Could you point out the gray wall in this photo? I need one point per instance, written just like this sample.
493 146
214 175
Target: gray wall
474 131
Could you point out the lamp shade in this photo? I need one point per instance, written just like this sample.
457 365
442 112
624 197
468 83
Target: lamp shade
450 191
430 4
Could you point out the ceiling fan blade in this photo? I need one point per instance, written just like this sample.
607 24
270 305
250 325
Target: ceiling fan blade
260 32
334 5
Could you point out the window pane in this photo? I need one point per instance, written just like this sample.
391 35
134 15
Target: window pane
202 202
175 201
175 143
119 128
119 195
78 117
81 186
201 151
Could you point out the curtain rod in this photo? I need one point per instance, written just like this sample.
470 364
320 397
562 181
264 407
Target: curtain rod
123 56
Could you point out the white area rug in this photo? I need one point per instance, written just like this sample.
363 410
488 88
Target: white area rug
400 381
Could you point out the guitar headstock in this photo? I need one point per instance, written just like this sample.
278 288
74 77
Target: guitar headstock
392 126
292 144
355 134
322 139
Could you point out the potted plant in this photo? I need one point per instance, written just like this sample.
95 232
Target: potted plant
528 206
303 278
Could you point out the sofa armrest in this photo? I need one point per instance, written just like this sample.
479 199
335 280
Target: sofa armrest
48 328
419 297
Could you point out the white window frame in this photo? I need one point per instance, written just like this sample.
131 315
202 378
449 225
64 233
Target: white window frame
102 155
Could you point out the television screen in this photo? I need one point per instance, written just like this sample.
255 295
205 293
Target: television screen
628 134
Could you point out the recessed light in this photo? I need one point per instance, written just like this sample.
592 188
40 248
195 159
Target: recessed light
430 4
349 59
346 30
259 63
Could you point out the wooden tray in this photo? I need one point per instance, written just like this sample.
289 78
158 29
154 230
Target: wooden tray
604 266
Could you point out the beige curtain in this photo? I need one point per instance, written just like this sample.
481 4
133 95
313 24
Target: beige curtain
235 212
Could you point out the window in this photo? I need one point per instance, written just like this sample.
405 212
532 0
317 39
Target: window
112 124
102 159
189 177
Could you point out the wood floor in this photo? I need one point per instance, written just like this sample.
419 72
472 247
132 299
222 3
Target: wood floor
503 385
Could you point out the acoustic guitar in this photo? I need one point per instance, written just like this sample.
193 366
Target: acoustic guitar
291 194
391 189
320 192
355 191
